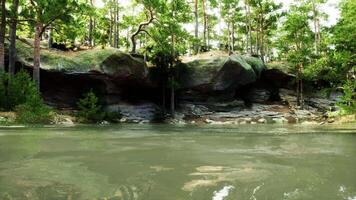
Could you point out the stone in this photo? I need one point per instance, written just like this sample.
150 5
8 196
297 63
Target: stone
280 120
219 72
262 121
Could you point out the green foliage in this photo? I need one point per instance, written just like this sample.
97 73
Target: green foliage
21 95
89 108
91 111
33 111
19 90
347 102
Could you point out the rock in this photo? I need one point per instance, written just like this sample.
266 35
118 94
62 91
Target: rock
262 121
291 119
320 103
104 123
219 72
138 112
234 73
309 123
281 120
124 66
65 120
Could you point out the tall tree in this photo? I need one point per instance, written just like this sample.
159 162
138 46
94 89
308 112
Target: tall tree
196 27
297 41
13 27
46 13
2 35
143 26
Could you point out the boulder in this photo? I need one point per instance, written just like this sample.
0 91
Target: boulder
219 72
124 66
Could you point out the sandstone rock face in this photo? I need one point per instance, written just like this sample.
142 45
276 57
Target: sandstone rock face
124 66
220 73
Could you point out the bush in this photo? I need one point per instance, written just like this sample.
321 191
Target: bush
21 95
33 111
91 111
347 102
89 108
19 88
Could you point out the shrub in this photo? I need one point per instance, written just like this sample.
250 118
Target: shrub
347 102
33 111
91 111
16 90
20 93
89 108
21 89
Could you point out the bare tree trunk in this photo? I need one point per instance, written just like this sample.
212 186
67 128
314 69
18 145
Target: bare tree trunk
233 37
249 25
196 33
141 28
50 38
262 44
90 31
2 36
111 29
172 97
205 24
12 48
164 97
37 54
301 87
116 26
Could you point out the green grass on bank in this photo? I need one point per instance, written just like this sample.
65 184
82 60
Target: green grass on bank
81 61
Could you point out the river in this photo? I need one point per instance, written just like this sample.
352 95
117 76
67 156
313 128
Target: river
166 162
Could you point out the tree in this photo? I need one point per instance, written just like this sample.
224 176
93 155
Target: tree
297 42
231 12
149 6
46 13
265 17
168 39
2 35
13 27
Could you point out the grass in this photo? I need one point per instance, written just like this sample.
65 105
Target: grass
81 61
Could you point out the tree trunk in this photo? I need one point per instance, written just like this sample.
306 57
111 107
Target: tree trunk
111 29
141 28
50 38
164 97
205 24
249 26
2 36
233 37
90 31
172 96
315 26
91 27
116 26
12 48
196 17
37 54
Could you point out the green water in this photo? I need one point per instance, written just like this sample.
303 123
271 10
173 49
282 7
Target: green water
164 162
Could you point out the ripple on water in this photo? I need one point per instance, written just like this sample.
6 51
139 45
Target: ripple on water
224 192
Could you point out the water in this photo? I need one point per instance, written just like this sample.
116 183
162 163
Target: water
163 162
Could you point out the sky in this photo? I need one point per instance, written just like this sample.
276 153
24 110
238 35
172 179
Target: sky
329 8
